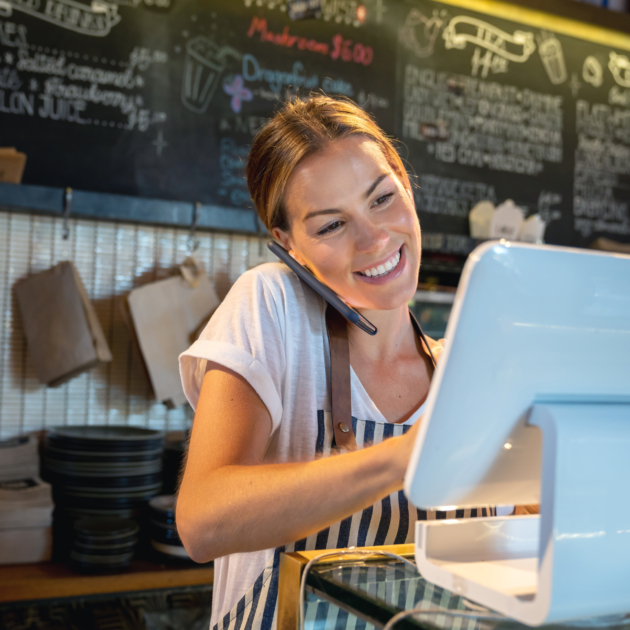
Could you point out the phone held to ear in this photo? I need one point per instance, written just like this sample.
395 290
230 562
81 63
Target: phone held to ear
351 314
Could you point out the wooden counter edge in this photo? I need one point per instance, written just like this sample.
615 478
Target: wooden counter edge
57 581
291 567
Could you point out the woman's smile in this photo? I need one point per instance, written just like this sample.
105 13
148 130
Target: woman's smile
383 272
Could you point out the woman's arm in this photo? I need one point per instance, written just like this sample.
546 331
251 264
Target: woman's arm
230 502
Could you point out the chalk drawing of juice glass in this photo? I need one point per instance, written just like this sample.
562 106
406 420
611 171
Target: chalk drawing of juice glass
553 59
203 67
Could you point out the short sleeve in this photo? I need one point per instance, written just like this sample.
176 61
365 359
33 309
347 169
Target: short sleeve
245 334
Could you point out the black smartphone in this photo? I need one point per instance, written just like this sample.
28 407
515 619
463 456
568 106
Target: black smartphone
351 314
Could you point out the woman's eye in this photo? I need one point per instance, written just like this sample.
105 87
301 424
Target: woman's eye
383 198
332 227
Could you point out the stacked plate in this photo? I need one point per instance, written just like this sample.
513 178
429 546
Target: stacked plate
101 471
163 530
174 448
103 544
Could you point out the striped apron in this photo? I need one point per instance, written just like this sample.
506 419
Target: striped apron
390 521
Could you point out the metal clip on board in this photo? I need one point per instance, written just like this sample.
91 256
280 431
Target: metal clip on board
67 205
196 214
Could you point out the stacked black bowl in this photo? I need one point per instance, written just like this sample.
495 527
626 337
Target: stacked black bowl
107 471
103 544
163 530
174 448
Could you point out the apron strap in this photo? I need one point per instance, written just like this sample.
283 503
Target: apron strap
340 379
341 393
423 339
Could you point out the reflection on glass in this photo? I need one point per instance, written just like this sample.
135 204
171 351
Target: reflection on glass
394 587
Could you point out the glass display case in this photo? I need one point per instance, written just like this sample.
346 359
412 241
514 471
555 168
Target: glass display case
365 594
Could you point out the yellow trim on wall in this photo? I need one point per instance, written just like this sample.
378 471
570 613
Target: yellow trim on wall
555 23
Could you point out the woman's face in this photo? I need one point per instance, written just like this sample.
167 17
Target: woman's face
354 225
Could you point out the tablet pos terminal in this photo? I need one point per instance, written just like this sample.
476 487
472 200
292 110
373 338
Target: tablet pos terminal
530 403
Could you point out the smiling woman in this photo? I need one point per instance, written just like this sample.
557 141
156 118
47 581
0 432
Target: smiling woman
331 188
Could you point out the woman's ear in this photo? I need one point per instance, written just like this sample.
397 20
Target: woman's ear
285 240
282 237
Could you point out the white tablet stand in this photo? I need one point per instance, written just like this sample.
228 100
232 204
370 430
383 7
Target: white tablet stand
532 404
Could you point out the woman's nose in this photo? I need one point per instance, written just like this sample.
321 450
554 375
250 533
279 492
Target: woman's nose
370 237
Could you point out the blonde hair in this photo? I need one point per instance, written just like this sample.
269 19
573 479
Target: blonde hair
299 129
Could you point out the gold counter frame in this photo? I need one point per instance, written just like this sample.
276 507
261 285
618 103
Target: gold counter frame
291 568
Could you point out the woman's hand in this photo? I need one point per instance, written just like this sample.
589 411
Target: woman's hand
524 510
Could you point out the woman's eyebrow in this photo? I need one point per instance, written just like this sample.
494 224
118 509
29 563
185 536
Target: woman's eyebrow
376 182
368 192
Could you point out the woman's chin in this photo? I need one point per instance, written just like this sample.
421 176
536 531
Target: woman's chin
388 305
386 299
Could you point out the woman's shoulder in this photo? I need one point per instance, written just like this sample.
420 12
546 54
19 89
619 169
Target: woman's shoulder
272 280
272 294
271 276
260 317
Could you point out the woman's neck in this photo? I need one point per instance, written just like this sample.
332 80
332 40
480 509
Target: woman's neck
395 335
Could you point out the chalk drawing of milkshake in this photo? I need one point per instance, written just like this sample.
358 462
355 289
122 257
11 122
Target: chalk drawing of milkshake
553 59
203 66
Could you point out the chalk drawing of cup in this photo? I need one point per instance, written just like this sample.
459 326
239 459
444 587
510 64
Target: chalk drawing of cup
592 71
553 59
619 65
419 33
203 66
6 10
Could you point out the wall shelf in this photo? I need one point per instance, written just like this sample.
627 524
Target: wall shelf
108 207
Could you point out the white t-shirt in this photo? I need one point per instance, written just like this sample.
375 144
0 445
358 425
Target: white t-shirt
271 330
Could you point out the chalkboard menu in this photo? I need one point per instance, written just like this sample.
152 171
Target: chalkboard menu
161 99
490 108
